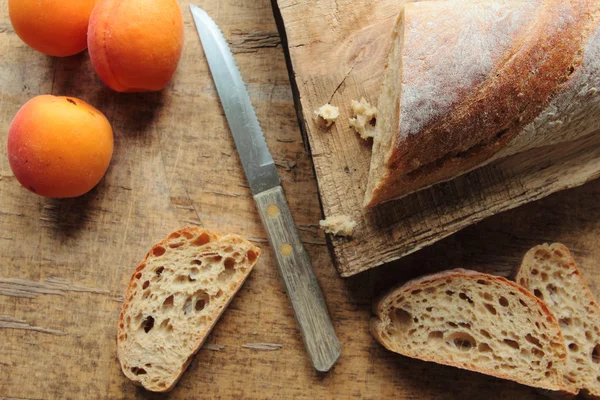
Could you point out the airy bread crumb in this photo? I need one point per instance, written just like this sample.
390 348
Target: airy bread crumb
174 299
365 114
328 113
549 271
338 225
474 321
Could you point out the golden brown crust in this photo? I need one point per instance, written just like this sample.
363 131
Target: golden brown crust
487 119
381 305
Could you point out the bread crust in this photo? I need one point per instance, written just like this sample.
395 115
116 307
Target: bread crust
381 308
188 232
494 112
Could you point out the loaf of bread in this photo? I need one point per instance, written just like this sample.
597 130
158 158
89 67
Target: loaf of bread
174 299
550 273
470 81
477 322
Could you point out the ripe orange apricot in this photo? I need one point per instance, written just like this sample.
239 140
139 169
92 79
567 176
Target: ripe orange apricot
135 45
59 146
54 27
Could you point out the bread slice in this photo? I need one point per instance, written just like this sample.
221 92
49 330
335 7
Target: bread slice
550 273
174 299
474 321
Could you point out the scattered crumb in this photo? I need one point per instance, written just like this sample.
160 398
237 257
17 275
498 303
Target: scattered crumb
263 346
365 115
328 113
338 225
359 124
362 107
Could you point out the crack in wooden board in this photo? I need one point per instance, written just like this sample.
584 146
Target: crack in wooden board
213 347
251 41
7 322
324 43
52 286
263 346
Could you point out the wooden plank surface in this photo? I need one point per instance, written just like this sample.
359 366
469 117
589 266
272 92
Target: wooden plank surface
338 49
64 264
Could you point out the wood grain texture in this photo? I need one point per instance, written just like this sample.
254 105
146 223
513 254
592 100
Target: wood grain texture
64 265
300 281
338 50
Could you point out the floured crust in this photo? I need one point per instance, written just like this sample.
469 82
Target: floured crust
530 50
174 299
400 322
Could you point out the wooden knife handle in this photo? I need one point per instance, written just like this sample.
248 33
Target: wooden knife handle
300 280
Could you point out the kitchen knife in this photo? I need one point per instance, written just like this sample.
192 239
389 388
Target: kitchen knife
293 262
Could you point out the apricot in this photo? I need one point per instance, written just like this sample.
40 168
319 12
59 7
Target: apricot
54 27
59 146
135 45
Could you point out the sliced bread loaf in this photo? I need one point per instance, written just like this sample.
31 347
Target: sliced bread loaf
474 321
175 297
471 81
550 273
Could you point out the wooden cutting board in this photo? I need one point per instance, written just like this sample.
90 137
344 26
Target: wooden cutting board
337 51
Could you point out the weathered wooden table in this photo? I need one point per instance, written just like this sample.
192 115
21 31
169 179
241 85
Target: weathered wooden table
64 264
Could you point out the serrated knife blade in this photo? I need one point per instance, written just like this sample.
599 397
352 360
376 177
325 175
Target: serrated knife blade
293 262
249 140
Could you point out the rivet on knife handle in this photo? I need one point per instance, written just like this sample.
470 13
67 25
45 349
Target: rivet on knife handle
300 281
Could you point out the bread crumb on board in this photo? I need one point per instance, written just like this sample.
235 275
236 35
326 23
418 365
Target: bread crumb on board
338 225
328 113
364 117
